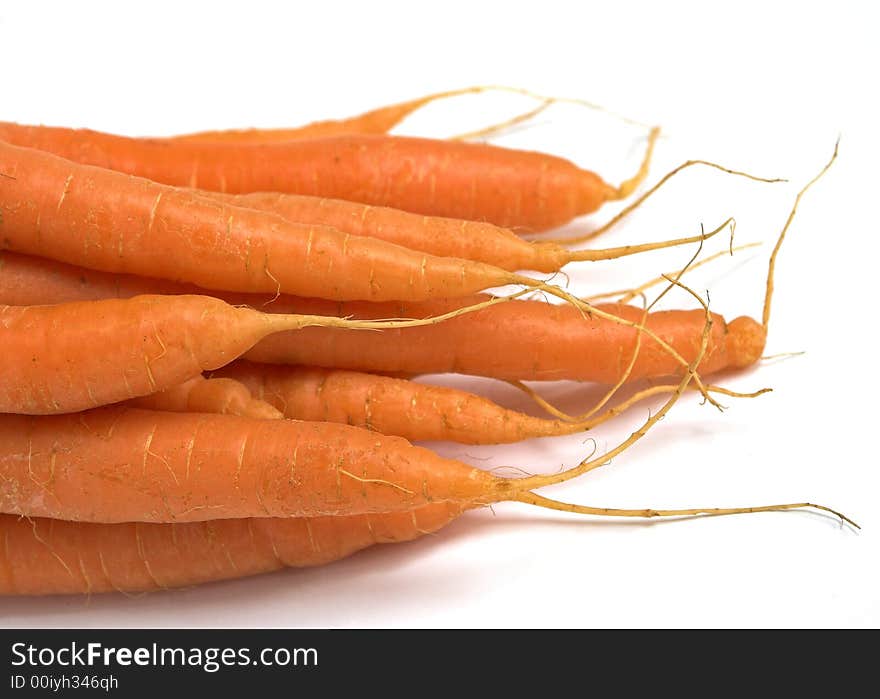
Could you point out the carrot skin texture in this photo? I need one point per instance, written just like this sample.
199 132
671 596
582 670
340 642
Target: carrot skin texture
200 395
120 464
540 341
515 189
435 235
551 342
388 405
107 221
146 344
27 280
47 556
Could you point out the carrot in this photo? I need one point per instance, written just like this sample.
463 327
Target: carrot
532 341
146 344
383 119
375 121
200 395
550 341
26 280
121 464
445 237
47 556
473 240
515 189
400 407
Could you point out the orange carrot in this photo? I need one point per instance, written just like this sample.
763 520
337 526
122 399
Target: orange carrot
445 237
146 344
526 340
122 464
550 341
216 395
47 556
375 121
26 280
515 189
414 411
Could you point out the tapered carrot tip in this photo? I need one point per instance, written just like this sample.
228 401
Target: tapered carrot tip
746 338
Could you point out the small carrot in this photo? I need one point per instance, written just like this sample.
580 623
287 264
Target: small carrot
124 464
216 395
48 556
445 237
146 344
26 280
510 188
391 406
382 119
375 121
528 340
414 411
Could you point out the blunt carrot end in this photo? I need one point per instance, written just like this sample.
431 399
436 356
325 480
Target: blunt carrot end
745 341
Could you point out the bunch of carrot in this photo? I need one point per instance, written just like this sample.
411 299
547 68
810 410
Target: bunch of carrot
139 450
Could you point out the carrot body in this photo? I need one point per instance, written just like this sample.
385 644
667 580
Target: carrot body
378 121
122 464
435 235
375 121
522 340
47 556
26 280
144 344
511 188
390 405
108 221
200 395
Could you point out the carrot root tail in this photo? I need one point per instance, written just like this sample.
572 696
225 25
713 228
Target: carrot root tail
548 503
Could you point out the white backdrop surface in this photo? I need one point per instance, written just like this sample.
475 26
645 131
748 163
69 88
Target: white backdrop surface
765 87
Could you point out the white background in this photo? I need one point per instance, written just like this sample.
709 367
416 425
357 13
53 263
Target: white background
760 86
